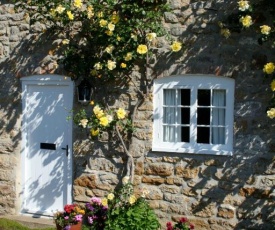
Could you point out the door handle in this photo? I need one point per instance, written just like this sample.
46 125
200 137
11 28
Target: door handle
67 150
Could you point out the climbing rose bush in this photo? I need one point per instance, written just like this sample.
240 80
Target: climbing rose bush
249 16
101 39
100 120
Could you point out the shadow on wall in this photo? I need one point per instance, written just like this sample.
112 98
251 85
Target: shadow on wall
245 181
241 186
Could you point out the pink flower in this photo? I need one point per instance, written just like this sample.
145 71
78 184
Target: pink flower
96 200
78 218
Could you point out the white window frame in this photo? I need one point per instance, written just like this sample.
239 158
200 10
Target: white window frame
193 82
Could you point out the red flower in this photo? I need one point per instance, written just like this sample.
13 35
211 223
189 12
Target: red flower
183 220
169 226
69 208
192 226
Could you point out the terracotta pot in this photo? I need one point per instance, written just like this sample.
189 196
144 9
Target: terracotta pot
77 226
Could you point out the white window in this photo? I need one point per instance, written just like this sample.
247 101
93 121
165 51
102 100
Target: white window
193 114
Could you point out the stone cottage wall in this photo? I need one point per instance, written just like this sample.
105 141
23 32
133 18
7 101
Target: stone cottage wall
214 192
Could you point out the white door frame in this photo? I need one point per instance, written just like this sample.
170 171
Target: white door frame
47 80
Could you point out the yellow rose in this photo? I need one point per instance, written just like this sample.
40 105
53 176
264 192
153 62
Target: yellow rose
93 72
265 29
78 3
109 32
98 66
111 65
134 37
271 113
83 122
103 121
111 196
132 199
246 21
110 118
123 65
269 68
109 49
100 14
125 180
225 32
142 49
115 18
176 46
94 132
111 26
90 12
70 15
98 111
103 23
128 56
272 85
151 36
104 202
121 113
60 9
65 41
243 5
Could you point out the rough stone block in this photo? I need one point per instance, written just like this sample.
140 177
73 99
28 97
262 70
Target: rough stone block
161 169
226 211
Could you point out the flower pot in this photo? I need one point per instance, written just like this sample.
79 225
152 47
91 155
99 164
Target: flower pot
77 226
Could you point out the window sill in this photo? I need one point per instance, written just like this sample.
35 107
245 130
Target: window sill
206 151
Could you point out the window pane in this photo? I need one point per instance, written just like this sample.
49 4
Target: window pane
185 96
169 97
218 97
169 133
203 116
169 116
218 135
204 97
203 135
185 137
185 116
218 116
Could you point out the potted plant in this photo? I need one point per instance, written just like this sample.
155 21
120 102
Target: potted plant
70 218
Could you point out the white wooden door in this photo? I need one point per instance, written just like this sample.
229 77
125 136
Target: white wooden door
47 143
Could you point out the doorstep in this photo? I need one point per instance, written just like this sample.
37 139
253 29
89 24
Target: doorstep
32 221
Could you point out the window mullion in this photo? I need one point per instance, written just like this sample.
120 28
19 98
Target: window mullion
193 115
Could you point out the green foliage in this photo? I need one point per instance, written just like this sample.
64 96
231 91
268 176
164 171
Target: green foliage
133 217
6 224
121 210
126 211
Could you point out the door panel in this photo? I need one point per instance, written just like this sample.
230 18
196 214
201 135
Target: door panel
47 168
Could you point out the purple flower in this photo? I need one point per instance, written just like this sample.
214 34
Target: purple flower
68 227
66 217
90 220
90 207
